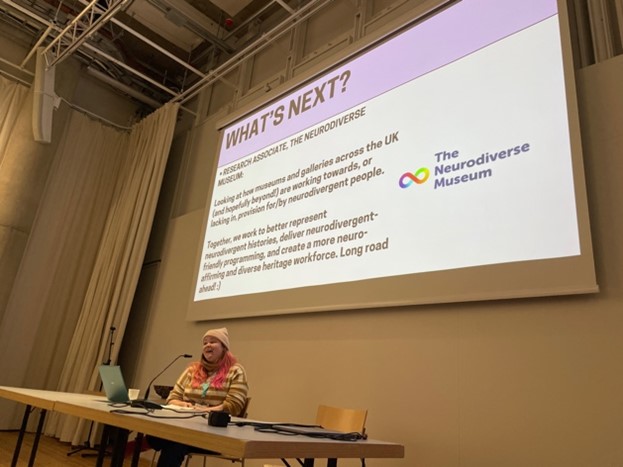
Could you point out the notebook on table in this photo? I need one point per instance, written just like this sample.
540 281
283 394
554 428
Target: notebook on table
113 384
116 390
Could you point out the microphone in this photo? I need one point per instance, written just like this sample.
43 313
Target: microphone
147 404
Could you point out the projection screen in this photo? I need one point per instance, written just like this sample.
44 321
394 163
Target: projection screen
441 164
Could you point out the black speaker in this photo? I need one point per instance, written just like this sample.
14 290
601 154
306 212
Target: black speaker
218 419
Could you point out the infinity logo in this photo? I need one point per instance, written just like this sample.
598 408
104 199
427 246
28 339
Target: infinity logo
418 177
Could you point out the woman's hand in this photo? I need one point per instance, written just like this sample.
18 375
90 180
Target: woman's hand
203 408
190 405
181 403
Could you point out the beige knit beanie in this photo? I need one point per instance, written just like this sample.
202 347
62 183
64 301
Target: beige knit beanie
221 334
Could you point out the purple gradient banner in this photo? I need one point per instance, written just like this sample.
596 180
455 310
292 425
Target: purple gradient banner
462 29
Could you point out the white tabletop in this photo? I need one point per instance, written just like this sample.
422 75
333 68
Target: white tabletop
238 441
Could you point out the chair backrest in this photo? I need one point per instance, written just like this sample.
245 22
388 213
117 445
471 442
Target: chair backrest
340 419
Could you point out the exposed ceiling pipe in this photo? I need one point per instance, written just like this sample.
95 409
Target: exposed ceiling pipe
193 20
123 88
33 51
285 6
153 45
14 76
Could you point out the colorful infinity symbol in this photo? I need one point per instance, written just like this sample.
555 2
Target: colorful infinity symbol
418 177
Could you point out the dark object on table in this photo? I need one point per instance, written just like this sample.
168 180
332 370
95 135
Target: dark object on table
162 391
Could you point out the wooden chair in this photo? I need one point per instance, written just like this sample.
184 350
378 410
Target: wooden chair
337 419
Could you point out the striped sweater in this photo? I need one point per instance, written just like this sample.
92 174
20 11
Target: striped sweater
232 395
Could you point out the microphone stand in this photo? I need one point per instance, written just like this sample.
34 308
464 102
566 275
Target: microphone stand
87 443
146 404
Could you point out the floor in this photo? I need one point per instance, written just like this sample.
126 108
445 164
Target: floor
51 452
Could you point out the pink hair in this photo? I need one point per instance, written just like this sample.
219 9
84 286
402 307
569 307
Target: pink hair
201 374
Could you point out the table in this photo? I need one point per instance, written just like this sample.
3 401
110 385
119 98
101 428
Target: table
238 441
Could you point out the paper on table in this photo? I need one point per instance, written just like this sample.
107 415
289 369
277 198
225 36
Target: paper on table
178 408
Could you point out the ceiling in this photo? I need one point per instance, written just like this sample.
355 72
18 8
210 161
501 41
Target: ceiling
153 50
